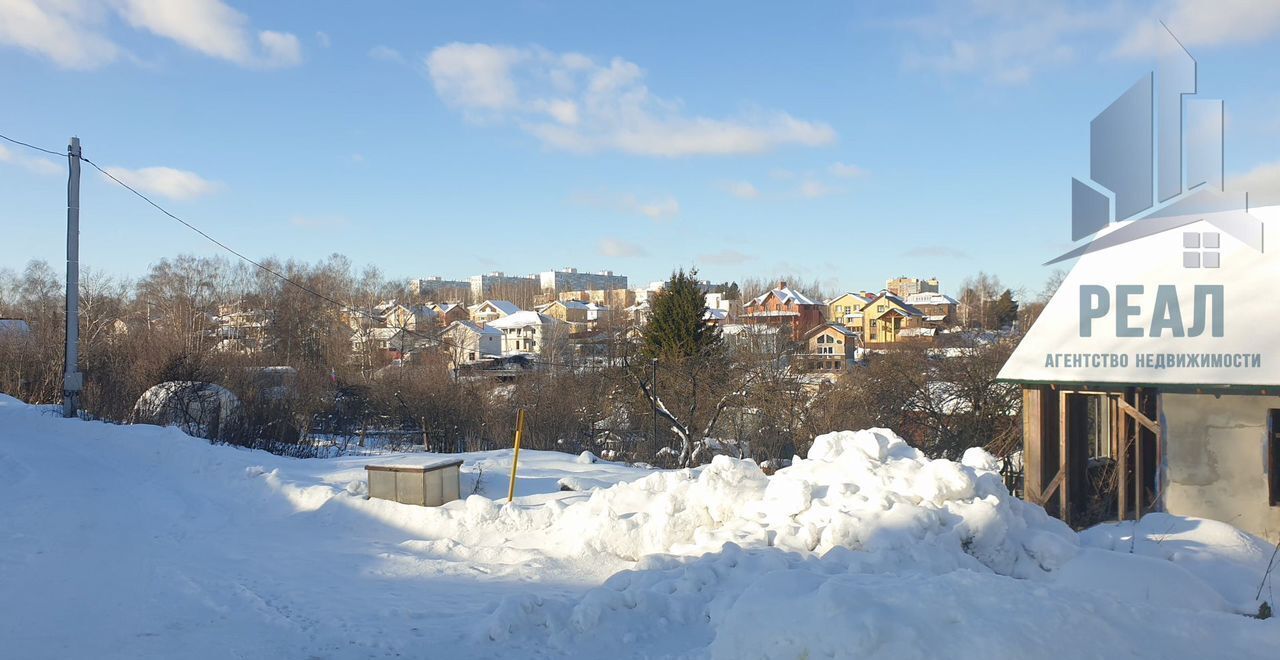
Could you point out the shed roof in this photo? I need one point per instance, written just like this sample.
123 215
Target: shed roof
1152 343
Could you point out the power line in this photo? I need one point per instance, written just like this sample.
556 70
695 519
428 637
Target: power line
267 269
32 146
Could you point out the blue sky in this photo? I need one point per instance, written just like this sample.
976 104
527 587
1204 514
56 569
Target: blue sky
754 140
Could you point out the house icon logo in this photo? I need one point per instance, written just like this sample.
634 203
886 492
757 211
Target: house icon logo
1156 165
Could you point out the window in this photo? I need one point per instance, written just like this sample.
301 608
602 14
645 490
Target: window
879 308
1273 456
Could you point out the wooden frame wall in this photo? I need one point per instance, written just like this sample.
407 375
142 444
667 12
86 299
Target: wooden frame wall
1054 458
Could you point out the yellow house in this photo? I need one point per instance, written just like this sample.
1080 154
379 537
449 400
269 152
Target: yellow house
885 317
847 309
569 311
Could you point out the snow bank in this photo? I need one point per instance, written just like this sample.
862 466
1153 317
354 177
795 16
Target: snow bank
864 490
846 554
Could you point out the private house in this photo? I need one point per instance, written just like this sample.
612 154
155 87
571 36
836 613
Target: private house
385 343
830 347
450 312
786 308
569 311
597 314
731 307
714 316
468 343
638 314
526 332
939 309
846 309
885 317
614 298
492 310
418 318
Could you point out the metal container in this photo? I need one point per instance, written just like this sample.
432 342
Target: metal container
429 483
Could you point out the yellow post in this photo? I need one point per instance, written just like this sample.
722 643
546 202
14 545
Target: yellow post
515 460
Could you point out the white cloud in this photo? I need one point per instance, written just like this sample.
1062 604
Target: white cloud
571 102
1006 42
658 209
281 48
662 208
64 32
71 33
37 164
386 54
166 182
742 189
475 76
1201 23
814 189
1262 183
323 39
846 171
617 248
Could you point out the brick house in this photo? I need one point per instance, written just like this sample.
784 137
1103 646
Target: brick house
785 307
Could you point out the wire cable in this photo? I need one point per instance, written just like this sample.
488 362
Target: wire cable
32 146
267 269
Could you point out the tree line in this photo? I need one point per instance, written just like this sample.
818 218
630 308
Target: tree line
671 393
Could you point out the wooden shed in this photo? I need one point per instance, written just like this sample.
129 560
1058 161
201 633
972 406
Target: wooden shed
1151 382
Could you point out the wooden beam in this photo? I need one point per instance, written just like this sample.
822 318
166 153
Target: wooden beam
1033 444
1053 485
1139 417
1138 479
1159 447
1064 461
1122 457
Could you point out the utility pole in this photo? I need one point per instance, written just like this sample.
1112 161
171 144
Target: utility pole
73 380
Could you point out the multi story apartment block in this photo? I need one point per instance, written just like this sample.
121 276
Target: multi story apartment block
437 286
498 282
906 286
570 279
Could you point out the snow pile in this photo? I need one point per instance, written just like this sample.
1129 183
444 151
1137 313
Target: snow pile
863 490
847 552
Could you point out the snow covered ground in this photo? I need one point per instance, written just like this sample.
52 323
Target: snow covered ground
128 542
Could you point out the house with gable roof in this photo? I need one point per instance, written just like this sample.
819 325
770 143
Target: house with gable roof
784 307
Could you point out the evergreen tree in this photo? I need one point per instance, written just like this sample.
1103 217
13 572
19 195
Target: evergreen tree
732 292
677 329
1005 310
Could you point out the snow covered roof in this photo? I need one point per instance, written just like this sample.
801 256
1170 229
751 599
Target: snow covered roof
473 327
831 326
1082 336
505 307
521 319
917 332
930 298
909 309
715 315
785 295
866 299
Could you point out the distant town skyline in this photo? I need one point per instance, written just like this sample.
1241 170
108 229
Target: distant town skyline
841 144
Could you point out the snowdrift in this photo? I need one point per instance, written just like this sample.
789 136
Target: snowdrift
869 549
139 541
